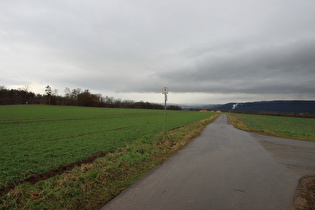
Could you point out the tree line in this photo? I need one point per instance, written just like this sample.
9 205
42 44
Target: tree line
74 97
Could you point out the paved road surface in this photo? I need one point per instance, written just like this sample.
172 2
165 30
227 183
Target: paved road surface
224 168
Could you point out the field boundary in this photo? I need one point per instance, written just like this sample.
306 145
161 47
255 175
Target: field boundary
46 175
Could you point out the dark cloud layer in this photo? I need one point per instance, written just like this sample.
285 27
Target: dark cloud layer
219 51
267 69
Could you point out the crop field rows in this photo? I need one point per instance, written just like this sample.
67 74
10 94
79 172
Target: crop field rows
287 127
35 139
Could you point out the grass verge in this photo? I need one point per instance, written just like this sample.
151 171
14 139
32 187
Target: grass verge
90 186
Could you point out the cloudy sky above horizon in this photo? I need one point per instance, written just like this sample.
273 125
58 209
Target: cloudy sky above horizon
204 51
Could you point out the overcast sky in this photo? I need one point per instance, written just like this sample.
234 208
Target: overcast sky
205 52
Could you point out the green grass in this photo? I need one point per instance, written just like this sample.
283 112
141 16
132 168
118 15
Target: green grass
287 127
35 139
92 185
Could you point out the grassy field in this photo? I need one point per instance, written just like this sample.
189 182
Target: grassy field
35 139
287 127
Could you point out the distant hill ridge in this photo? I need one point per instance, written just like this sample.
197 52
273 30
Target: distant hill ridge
271 106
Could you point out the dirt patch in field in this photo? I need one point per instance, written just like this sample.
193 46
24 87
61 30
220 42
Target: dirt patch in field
42 176
305 194
176 128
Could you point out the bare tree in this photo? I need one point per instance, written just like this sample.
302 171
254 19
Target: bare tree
55 92
48 94
67 92
26 88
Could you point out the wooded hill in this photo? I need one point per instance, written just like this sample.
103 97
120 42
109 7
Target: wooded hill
295 107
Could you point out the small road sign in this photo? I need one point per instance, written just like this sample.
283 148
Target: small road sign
165 90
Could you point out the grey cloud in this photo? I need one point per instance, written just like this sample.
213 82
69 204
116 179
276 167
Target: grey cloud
267 69
223 47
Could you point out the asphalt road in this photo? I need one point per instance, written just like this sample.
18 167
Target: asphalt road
224 168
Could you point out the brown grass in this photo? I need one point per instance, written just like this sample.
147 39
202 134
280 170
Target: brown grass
305 194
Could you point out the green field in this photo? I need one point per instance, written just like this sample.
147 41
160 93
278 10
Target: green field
288 127
35 139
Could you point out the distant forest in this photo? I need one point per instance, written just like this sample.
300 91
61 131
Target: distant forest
297 107
75 97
